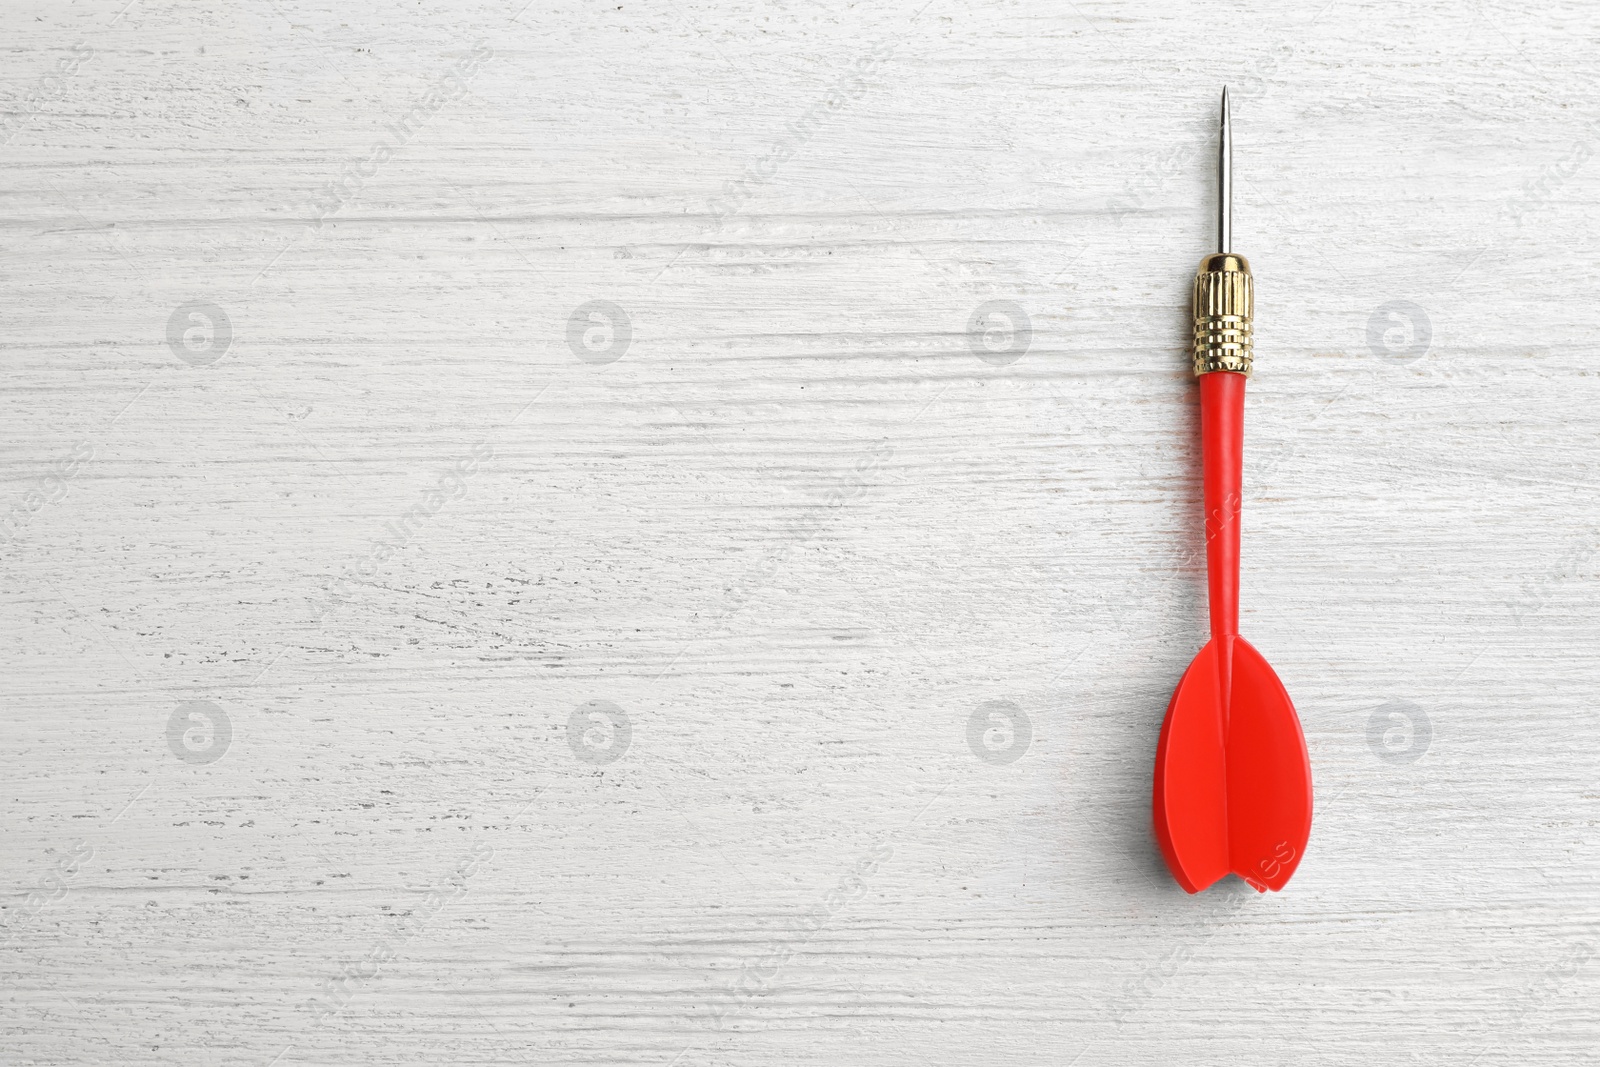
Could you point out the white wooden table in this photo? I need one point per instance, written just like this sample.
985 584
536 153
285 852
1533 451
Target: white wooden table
663 534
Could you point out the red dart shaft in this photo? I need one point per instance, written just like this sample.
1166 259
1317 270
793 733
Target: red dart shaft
1222 452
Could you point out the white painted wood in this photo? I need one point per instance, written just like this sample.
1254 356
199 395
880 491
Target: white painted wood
797 534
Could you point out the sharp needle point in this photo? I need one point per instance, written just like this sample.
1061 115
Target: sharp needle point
1225 180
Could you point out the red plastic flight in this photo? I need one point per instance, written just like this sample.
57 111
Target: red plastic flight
1232 780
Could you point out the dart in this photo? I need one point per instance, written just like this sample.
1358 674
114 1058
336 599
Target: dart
1232 790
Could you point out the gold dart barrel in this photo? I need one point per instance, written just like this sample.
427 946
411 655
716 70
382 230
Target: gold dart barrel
1224 313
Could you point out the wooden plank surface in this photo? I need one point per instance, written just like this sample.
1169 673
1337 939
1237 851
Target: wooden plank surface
663 534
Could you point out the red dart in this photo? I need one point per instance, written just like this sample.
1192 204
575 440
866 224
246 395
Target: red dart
1233 780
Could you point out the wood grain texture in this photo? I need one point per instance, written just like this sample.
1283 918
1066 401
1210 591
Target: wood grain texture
400 524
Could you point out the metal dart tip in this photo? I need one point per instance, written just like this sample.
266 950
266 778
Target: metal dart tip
1225 180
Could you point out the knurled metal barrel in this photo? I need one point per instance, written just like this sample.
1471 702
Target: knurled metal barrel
1224 310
